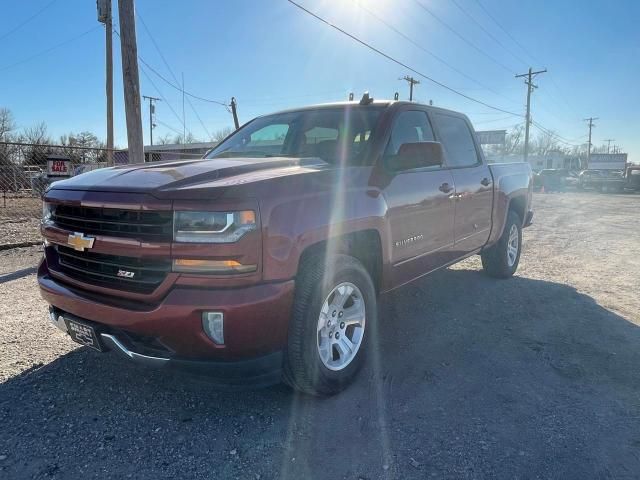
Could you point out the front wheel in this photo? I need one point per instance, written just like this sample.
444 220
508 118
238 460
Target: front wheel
334 307
501 260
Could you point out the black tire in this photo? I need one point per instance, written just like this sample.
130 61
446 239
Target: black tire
318 276
495 260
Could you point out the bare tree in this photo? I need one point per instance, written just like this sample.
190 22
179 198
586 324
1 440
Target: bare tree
221 134
544 143
513 141
166 139
188 139
7 125
40 144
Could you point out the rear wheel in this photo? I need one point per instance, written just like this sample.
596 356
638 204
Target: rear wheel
335 302
501 260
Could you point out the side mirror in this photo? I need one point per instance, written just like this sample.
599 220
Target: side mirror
416 155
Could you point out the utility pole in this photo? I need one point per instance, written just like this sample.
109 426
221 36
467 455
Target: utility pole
131 80
184 121
412 81
105 16
609 140
234 111
152 111
591 125
530 86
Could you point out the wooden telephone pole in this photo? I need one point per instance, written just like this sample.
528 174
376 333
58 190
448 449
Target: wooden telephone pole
234 112
105 16
411 81
131 80
152 111
530 86
591 125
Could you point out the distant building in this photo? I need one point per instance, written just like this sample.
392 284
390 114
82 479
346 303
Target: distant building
540 162
176 151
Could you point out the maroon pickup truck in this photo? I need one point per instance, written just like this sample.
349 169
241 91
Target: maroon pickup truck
264 260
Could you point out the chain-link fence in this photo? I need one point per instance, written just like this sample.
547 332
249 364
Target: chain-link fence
27 169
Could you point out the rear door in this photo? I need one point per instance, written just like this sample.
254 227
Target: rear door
421 208
472 179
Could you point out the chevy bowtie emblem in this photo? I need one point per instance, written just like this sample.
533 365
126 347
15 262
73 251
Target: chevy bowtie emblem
79 242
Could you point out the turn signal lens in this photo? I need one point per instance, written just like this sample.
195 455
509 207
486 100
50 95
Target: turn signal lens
187 265
247 217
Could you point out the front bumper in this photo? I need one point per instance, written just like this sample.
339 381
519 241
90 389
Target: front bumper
259 371
256 318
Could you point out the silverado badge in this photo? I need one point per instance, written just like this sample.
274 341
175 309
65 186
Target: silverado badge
79 242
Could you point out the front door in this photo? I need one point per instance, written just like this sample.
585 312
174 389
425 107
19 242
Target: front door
473 181
421 206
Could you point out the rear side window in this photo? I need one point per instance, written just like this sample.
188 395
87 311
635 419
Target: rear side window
457 140
409 127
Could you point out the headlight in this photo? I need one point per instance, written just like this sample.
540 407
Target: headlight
212 227
47 211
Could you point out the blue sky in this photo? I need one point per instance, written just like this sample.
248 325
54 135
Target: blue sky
270 55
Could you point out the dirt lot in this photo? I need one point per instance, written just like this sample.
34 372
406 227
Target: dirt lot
19 219
533 377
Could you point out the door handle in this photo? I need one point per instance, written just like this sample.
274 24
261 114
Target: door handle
485 181
445 188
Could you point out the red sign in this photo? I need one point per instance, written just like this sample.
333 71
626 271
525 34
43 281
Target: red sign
58 167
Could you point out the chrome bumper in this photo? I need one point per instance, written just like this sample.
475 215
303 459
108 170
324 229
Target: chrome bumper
116 345
113 344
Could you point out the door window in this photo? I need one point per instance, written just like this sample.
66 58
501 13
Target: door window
457 140
409 127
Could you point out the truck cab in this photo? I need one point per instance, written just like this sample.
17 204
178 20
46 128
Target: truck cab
264 260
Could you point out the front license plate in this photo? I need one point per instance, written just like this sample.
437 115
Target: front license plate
83 334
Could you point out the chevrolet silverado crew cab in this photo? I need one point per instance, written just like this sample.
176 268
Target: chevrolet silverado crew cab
264 260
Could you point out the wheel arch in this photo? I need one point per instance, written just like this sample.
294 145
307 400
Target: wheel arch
364 245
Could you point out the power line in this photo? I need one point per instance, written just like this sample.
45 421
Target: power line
560 138
157 47
153 84
489 34
20 25
398 62
492 120
50 49
144 72
461 37
505 31
516 42
424 49
176 87
175 130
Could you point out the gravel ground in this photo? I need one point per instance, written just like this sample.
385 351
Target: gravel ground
19 220
532 377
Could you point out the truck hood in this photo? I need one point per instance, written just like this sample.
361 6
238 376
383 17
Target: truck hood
161 179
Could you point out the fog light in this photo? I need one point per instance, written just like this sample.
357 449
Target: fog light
213 326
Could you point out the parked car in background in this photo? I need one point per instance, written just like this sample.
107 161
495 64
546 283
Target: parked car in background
555 179
589 178
633 178
607 180
264 261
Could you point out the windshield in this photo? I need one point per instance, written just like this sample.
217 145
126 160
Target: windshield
340 135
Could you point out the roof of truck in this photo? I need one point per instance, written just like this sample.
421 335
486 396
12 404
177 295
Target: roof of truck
355 103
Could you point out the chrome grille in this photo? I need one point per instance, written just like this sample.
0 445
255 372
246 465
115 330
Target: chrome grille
153 226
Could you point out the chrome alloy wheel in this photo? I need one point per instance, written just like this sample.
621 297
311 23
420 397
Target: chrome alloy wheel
513 245
341 326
